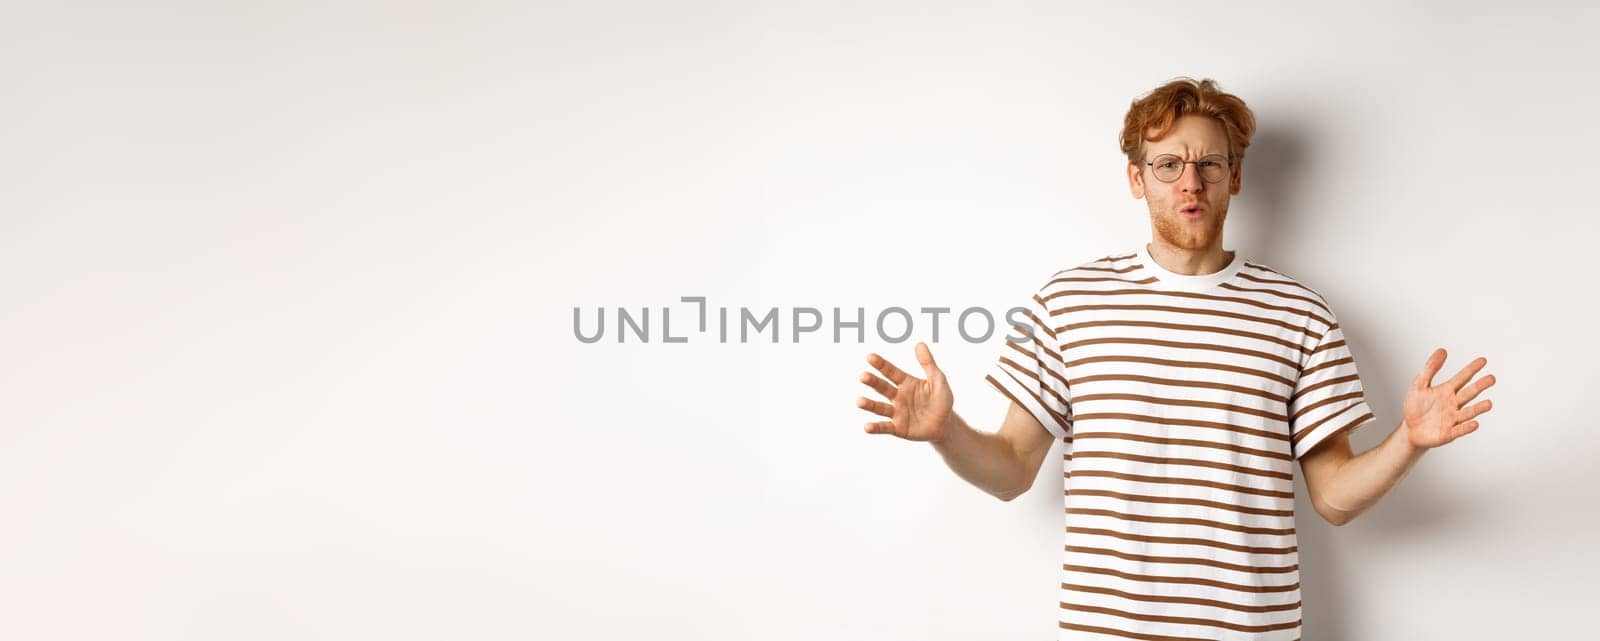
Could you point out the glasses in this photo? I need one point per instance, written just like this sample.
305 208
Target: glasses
1168 167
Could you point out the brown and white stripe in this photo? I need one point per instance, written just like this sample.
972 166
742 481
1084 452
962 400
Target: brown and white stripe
1183 401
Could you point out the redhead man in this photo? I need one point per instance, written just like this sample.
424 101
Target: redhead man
1184 382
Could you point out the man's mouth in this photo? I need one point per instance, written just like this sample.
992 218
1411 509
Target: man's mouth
1190 211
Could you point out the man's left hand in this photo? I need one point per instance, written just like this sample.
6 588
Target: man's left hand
1435 415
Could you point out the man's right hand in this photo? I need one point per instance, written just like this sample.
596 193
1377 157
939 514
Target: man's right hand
919 409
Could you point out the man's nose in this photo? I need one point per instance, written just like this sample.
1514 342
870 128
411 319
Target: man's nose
1190 181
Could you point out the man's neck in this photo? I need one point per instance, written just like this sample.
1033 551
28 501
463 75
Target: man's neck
1190 262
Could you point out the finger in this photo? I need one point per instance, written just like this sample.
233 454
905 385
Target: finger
1481 407
1466 373
880 427
1463 429
1424 380
881 386
889 370
881 409
925 357
1473 390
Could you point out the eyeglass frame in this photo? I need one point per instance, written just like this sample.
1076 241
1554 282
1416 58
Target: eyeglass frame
1226 158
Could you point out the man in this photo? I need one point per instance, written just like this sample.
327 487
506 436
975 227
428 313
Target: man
1184 381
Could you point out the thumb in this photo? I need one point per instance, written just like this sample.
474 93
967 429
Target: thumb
925 357
1424 379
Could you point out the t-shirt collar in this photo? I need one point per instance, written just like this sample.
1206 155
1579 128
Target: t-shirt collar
1187 282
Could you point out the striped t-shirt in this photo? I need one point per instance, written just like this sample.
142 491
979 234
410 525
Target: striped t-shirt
1183 402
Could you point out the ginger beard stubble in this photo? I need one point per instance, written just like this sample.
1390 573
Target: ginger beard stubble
1197 234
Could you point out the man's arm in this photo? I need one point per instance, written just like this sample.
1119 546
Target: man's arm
1342 486
1003 463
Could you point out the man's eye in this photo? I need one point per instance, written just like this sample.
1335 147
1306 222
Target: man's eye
1169 165
1206 164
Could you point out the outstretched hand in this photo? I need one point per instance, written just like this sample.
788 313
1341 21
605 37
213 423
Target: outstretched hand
918 408
1436 415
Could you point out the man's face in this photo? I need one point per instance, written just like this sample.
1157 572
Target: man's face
1187 212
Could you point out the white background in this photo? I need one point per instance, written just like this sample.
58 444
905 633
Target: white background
286 297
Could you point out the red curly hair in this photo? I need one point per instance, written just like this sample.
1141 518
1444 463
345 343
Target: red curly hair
1152 115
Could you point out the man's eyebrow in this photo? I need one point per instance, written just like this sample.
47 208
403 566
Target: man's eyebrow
1176 152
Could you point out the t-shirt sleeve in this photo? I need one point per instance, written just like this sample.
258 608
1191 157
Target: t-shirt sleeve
1029 369
1328 397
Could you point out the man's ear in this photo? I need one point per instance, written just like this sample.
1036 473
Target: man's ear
1237 180
1135 181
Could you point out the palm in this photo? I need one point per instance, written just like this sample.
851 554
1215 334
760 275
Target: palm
1437 414
918 408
